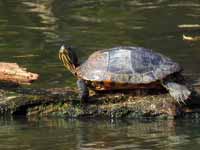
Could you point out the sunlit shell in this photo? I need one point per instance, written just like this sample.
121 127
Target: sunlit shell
133 65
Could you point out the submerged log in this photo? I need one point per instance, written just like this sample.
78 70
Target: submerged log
11 72
66 103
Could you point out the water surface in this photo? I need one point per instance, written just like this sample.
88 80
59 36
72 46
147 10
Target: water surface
51 134
32 31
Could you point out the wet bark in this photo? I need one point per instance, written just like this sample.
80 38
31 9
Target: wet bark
64 102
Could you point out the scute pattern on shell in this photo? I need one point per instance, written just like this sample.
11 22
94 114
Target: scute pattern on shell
134 65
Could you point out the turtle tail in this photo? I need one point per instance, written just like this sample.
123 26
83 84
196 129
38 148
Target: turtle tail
179 92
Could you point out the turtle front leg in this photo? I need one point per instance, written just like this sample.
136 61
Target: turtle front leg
84 92
177 91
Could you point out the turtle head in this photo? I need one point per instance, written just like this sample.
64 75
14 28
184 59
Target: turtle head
69 59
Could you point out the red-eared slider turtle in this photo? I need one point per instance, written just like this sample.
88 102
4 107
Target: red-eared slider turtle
124 68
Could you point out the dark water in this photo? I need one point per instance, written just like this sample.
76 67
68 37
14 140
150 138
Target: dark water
51 134
31 32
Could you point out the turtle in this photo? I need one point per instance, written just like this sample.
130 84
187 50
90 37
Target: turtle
125 67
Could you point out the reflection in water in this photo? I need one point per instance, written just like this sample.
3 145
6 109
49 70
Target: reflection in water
98 134
44 10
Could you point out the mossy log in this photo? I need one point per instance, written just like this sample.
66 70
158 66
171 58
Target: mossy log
66 103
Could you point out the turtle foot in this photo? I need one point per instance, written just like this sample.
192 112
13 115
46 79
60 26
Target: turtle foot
83 90
178 91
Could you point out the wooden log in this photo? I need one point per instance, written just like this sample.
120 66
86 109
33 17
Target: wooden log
66 103
12 72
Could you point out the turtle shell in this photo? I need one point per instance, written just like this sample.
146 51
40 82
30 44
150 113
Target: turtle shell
132 65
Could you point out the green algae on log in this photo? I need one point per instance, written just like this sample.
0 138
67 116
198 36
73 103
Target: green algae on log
101 107
66 103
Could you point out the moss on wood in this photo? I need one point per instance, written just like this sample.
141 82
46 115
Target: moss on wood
64 102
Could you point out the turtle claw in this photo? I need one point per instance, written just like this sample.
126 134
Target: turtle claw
177 91
181 100
181 95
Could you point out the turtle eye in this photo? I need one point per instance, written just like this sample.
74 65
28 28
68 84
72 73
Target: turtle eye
69 48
